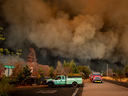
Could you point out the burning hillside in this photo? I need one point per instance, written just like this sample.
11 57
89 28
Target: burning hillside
80 29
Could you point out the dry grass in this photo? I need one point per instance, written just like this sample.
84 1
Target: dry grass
116 79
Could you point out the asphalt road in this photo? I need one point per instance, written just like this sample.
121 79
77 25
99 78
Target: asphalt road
103 89
89 89
45 91
124 84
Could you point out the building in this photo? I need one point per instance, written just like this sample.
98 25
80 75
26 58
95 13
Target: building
45 69
35 66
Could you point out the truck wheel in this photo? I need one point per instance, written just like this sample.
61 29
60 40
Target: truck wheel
50 85
74 84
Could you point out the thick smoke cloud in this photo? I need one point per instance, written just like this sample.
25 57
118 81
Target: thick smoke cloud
82 29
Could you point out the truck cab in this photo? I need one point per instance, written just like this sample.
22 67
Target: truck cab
59 80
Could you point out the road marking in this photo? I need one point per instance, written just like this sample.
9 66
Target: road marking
74 94
47 91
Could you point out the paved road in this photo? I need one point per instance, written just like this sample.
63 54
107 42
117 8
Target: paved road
103 89
45 91
89 89
124 84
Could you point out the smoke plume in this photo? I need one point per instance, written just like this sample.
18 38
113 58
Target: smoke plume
82 29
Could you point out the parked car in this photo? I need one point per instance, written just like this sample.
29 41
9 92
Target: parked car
42 80
95 77
65 80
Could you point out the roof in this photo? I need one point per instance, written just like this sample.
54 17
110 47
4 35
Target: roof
36 65
45 69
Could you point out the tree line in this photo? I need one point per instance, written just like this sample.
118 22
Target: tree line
70 69
118 73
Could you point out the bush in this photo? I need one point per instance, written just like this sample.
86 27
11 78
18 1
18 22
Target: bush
126 70
84 70
4 86
70 74
23 76
119 73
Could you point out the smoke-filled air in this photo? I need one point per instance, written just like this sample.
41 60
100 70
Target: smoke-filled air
80 29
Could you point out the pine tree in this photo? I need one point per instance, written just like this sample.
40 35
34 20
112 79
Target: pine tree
26 71
64 64
59 68
32 61
41 71
32 56
51 72
73 67
23 76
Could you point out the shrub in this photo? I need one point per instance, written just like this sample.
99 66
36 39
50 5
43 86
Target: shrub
84 70
126 70
119 73
51 72
4 86
70 74
23 76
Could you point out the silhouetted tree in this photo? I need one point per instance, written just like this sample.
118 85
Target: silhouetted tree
126 70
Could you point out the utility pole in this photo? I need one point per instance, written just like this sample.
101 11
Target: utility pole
107 70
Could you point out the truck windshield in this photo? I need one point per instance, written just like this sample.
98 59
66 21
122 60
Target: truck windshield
58 78
97 74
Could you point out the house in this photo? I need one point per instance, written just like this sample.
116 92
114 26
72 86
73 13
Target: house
45 69
35 66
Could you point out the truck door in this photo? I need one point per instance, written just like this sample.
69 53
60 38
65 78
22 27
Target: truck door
57 80
62 82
